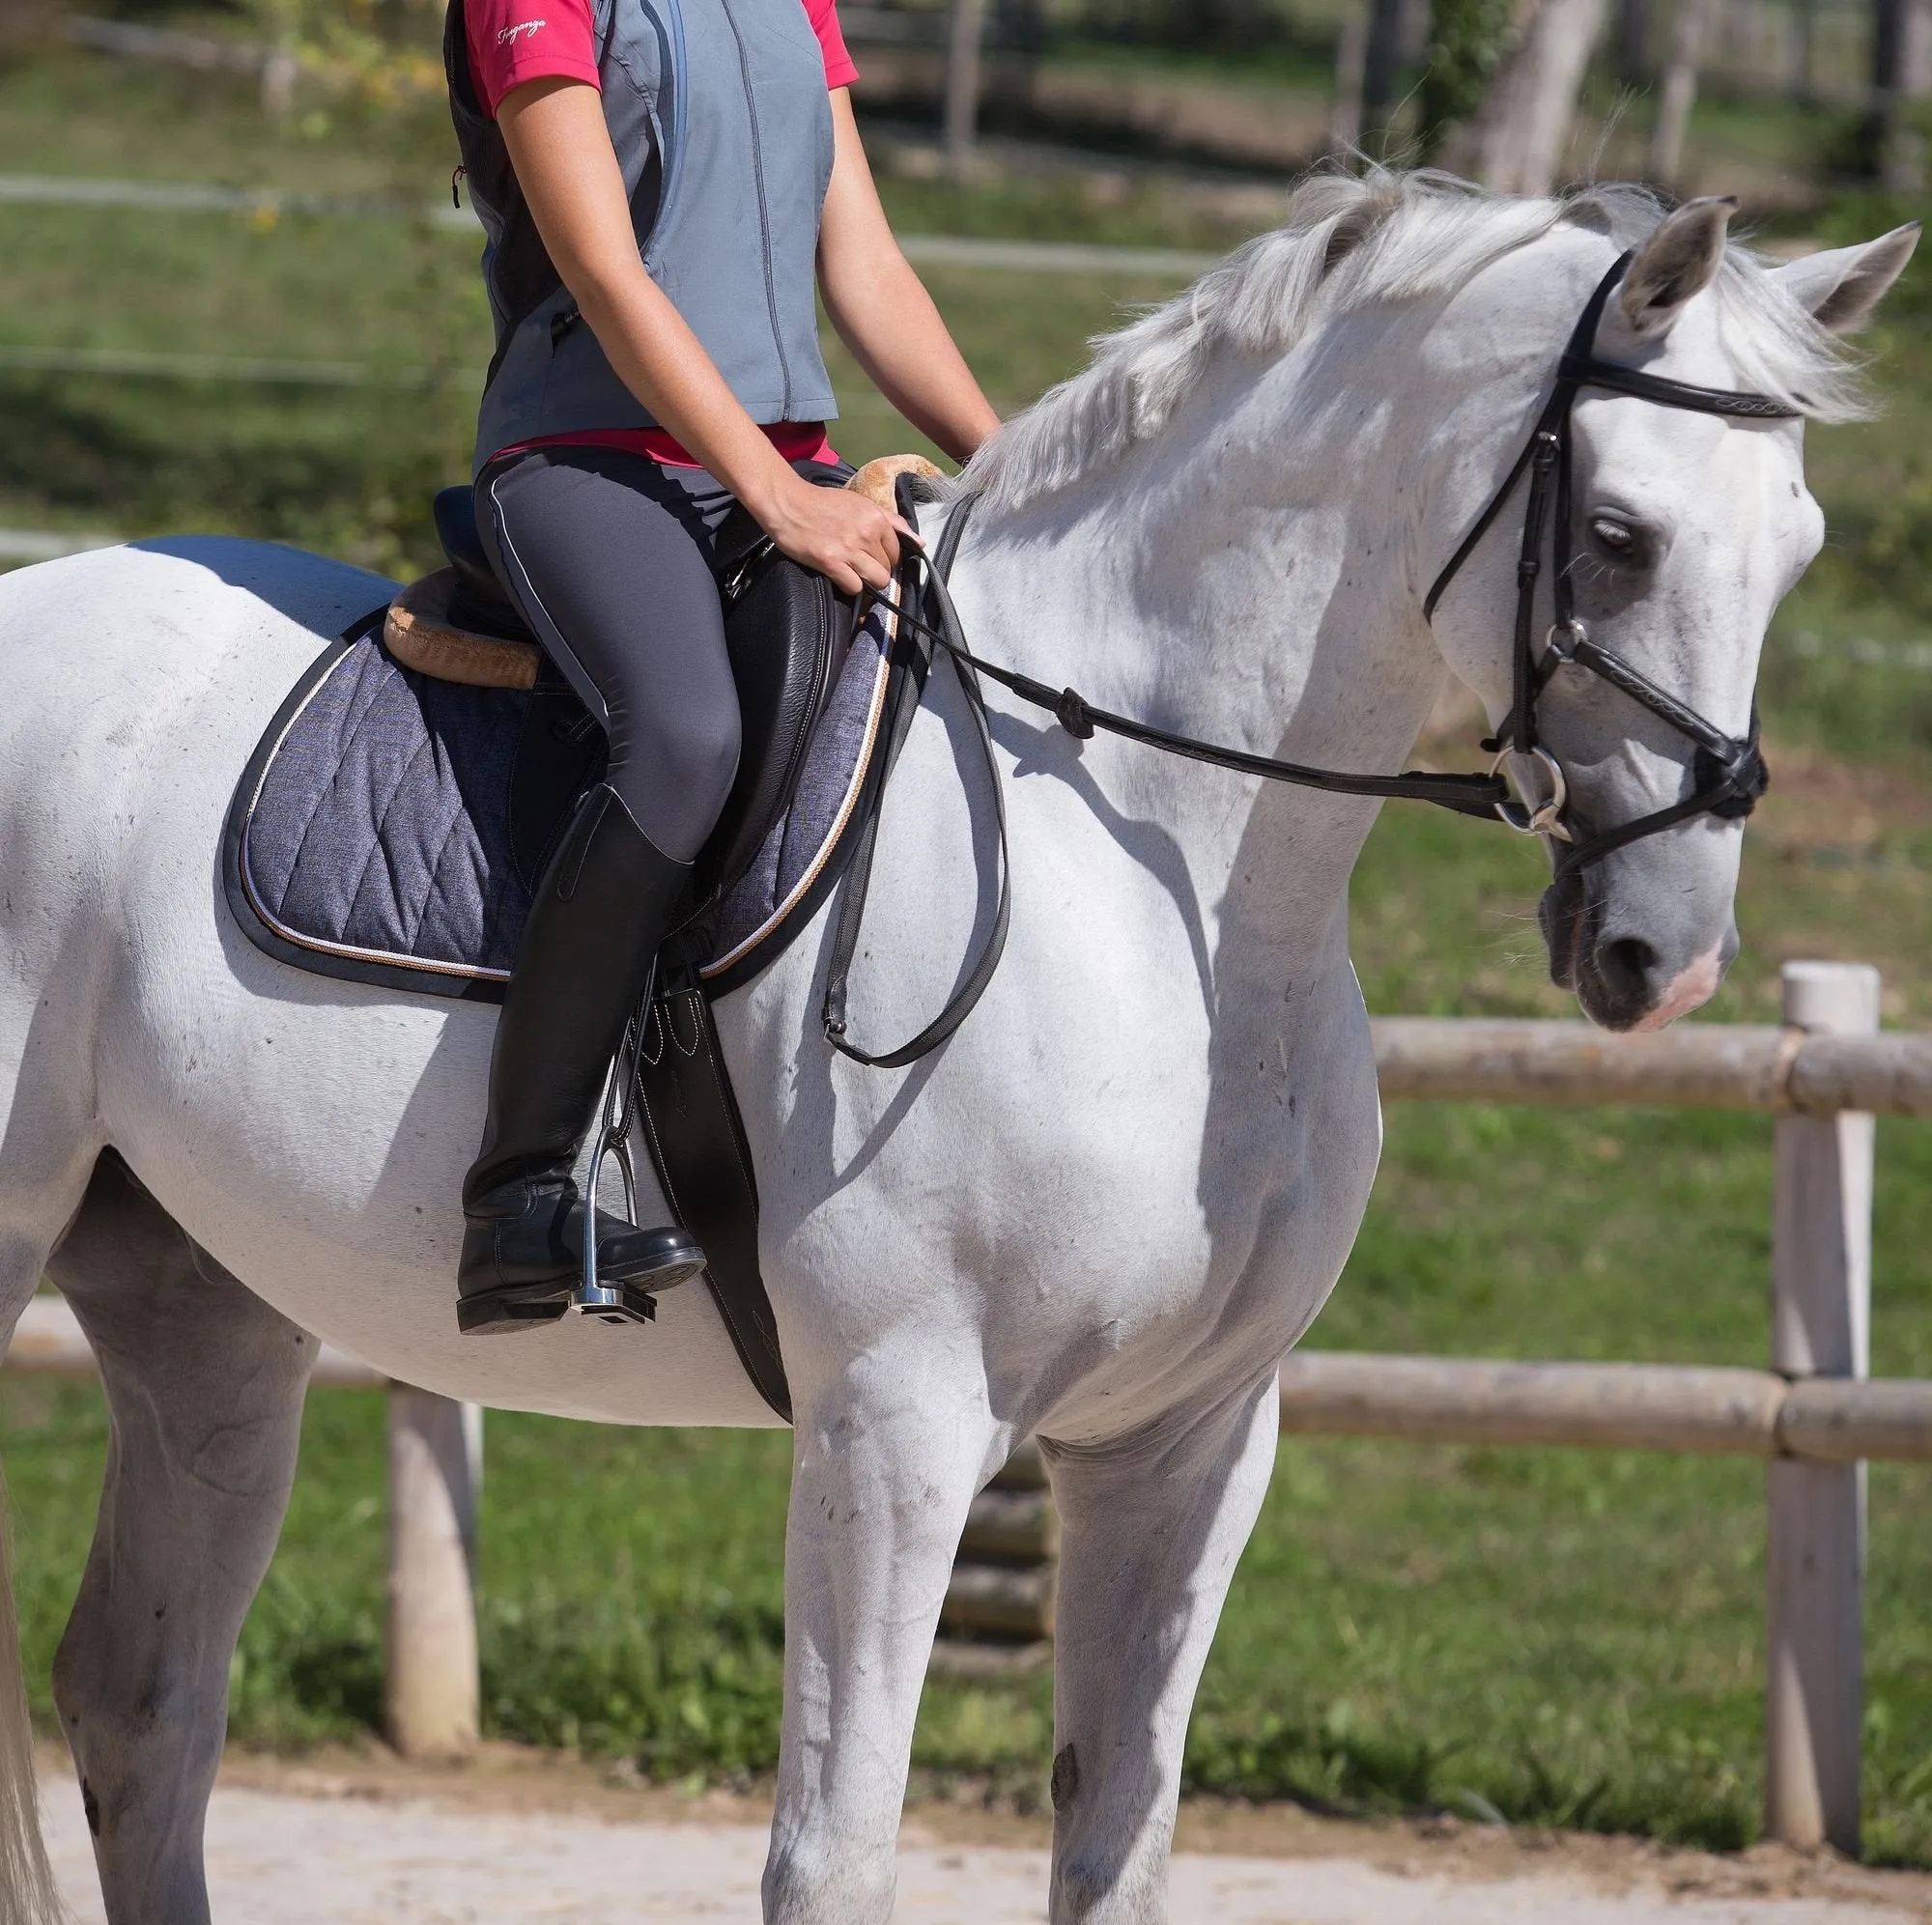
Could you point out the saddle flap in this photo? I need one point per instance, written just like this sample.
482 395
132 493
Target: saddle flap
787 631
561 753
698 1144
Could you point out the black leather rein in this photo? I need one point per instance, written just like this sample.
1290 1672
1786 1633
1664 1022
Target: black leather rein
1469 795
1728 774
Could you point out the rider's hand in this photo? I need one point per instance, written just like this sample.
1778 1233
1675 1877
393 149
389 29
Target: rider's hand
847 538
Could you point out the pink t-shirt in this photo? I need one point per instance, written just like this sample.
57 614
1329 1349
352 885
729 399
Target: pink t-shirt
514 41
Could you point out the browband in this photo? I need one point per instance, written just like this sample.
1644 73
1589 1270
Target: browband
1586 371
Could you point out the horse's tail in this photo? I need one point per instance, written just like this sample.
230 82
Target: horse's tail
28 1894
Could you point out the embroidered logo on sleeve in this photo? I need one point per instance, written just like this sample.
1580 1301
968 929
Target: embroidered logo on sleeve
507 37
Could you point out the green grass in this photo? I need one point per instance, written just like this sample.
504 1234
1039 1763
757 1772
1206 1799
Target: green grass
1566 1638
69 112
349 470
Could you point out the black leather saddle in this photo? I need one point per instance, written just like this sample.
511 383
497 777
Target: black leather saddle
786 630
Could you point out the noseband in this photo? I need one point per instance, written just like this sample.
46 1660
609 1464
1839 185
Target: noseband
1729 774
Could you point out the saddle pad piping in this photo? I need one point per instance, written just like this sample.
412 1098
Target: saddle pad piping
394 959
862 769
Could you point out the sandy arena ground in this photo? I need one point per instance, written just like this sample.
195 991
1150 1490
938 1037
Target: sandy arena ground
519 1840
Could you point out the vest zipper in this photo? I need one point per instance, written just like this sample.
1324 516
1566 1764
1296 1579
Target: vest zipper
764 211
670 128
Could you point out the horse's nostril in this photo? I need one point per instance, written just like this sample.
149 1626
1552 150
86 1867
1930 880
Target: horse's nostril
1626 965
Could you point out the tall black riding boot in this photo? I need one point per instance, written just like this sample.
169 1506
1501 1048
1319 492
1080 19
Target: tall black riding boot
601 911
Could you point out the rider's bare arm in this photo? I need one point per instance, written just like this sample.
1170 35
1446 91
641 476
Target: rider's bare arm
568 170
882 310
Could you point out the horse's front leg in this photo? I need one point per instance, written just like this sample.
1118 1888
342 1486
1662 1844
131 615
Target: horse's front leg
1151 1527
887 1457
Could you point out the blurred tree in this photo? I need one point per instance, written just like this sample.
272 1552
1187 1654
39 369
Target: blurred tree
1515 138
378 53
1894 145
1382 65
1687 34
1803 52
1468 41
1344 111
1633 43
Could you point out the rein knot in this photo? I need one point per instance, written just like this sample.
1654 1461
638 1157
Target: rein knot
1070 711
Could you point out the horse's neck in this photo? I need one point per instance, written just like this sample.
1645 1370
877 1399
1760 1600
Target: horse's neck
1242 578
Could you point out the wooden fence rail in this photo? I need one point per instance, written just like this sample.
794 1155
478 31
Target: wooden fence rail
1710 1066
1605 1406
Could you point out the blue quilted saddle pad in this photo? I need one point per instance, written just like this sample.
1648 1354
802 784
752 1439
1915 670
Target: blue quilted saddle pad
390 828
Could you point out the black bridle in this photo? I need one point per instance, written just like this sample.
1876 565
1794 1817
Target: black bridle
1728 774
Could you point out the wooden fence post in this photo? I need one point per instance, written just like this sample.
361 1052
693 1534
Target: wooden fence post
1351 61
1815 1548
1664 160
436 1465
964 34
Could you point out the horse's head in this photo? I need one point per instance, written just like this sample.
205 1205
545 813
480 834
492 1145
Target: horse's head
1688 521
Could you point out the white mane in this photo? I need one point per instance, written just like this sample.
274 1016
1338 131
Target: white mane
1348 242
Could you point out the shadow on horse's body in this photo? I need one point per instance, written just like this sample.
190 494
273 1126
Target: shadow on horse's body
1102 1213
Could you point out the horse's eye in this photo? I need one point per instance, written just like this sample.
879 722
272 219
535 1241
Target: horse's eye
1618 537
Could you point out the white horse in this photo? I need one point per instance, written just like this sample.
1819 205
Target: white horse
1106 1210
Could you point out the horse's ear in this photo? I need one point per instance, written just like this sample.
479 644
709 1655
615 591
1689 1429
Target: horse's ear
1679 261
1842 285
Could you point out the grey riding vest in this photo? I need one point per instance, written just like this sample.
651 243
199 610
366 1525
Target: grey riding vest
721 124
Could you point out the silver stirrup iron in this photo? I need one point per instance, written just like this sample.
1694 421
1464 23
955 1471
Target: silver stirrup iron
593 1297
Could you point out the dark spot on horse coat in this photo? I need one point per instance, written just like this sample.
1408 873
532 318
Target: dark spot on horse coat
90 1806
1064 1784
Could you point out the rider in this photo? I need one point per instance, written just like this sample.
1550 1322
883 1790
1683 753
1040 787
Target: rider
658 180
